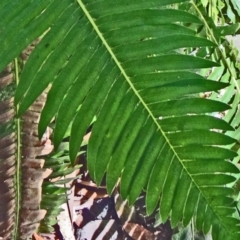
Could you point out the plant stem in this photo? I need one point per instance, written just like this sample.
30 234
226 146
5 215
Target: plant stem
19 159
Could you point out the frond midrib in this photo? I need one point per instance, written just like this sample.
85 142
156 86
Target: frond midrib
95 27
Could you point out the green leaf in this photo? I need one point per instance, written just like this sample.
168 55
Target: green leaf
26 22
122 61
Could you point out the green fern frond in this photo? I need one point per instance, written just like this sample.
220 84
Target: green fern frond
120 60
54 193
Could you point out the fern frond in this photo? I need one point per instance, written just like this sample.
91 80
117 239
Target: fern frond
55 187
109 59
